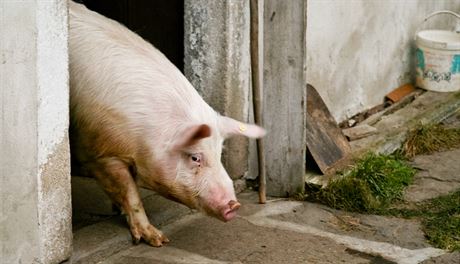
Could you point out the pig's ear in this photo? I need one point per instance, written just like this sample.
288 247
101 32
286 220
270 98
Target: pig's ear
190 135
230 127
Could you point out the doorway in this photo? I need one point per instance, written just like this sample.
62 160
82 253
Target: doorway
159 22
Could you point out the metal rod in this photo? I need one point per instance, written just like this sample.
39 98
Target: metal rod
257 89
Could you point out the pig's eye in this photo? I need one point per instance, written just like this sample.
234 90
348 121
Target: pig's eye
196 158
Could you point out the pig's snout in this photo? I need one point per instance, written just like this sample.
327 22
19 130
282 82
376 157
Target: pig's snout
229 212
234 205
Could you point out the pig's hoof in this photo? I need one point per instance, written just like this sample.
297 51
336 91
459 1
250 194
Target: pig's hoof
151 235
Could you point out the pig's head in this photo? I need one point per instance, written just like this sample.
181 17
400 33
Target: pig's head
201 181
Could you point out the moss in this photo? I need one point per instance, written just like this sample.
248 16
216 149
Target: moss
427 139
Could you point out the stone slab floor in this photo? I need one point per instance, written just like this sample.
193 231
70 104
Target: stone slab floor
281 231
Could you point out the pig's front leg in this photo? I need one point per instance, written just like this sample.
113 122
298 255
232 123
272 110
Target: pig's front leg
115 177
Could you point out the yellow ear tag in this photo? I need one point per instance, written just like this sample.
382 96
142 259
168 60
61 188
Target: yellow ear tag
242 127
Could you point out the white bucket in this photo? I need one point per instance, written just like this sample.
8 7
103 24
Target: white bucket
438 58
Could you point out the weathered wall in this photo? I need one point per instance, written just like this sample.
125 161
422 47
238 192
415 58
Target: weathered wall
217 62
358 51
54 192
35 215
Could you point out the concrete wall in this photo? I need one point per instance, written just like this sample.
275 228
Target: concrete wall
358 51
217 62
35 213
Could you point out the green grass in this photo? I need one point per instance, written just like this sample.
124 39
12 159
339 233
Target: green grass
375 184
427 139
371 184
440 218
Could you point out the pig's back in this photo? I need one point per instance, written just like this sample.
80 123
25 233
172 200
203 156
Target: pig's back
122 88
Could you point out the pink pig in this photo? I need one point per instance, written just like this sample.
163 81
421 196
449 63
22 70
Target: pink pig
137 122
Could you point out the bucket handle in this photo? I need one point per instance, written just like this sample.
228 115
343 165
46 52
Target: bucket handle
448 12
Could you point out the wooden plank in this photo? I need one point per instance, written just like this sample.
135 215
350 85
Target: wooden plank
324 138
284 95
359 131
371 120
318 109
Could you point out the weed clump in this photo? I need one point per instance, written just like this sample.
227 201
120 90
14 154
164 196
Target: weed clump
440 219
370 186
427 139
376 182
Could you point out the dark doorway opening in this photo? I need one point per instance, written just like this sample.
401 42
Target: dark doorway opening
157 21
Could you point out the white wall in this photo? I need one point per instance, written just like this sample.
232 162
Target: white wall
35 208
359 50
18 186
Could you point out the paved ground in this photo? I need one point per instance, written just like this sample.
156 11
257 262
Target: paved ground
281 231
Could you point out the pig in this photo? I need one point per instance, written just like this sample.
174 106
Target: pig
137 122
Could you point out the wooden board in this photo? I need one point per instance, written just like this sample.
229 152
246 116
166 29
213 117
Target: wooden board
325 141
284 95
359 131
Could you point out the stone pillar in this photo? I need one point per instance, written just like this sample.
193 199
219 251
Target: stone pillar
217 62
35 212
